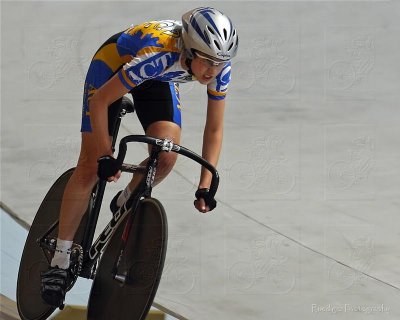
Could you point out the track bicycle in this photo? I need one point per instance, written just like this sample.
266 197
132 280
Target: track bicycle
126 260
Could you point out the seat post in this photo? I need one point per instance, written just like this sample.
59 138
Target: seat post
117 124
126 106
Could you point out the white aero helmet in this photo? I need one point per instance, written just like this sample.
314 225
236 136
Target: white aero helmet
211 32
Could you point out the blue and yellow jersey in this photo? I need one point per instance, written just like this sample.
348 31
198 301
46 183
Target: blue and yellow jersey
152 50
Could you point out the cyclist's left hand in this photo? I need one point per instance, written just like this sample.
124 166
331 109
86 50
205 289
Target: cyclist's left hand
201 205
204 202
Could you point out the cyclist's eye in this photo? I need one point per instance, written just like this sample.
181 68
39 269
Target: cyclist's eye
208 63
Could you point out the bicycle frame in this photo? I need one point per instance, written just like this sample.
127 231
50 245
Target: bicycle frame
92 251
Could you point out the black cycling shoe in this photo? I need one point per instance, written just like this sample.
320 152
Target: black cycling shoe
55 282
113 204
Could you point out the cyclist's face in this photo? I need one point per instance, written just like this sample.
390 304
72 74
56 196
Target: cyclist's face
206 69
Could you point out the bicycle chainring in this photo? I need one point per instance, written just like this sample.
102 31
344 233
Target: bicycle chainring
76 264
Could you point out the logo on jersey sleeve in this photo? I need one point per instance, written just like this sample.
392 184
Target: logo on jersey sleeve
223 79
217 89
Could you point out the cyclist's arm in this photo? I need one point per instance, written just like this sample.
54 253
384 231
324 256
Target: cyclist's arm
212 137
112 90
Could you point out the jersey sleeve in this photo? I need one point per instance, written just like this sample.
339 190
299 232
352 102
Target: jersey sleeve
217 89
152 46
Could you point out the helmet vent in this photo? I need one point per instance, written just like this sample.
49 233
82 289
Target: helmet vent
230 47
225 34
207 37
211 30
217 45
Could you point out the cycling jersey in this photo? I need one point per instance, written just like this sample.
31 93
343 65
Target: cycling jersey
150 51
156 48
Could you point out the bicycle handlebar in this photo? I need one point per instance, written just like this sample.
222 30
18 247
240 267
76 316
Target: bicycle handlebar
167 145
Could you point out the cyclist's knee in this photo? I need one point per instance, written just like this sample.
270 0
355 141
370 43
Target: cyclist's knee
169 130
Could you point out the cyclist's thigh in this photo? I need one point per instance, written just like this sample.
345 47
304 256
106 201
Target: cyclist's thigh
157 101
90 152
165 130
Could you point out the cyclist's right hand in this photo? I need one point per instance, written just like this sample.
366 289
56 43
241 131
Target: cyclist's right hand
108 168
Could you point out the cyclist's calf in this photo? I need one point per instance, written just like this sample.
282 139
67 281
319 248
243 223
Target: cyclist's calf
75 200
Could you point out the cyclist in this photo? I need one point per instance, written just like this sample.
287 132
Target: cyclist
148 61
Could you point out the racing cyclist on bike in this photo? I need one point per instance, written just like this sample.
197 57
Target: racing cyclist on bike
148 61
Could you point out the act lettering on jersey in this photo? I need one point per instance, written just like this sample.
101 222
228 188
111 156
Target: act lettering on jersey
152 66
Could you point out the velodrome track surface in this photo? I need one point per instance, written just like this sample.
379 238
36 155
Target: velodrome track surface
307 221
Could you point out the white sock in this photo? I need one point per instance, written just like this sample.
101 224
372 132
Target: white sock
62 254
124 196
